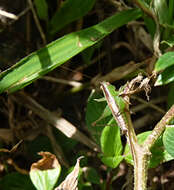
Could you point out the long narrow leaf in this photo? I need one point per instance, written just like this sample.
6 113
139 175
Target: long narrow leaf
70 11
56 53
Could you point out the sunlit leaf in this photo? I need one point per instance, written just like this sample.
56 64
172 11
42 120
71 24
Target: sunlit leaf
56 53
166 76
110 139
45 172
112 161
168 140
166 60
159 155
162 11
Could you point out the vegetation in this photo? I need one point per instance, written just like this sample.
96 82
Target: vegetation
124 133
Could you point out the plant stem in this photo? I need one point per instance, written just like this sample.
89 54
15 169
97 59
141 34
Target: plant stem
159 128
145 7
140 154
140 170
140 157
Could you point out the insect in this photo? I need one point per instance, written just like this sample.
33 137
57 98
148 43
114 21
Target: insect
114 107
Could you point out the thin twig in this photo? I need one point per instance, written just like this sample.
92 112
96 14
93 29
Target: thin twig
149 104
60 123
37 22
8 15
159 128
62 81
20 15
57 149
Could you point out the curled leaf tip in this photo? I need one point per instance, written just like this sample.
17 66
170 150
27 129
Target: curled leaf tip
48 161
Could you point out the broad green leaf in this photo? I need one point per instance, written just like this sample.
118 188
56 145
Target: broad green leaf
162 11
158 154
45 172
166 60
42 9
111 145
56 53
168 140
112 161
98 113
110 140
166 76
95 111
167 156
70 11
16 181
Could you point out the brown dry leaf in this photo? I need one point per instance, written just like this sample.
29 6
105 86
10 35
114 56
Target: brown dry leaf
48 161
70 182
45 172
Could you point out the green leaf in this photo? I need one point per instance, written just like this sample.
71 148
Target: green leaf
158 154
112 162
94 111
45 172
110 139
42 9
167 156
70 11
168 140
16 181
98 113
111 145
56 53
162 11
166 76
166 60
150 24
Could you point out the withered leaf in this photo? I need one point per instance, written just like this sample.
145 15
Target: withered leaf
45 172
48 161
71 181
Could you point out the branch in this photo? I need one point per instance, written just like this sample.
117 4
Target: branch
159 128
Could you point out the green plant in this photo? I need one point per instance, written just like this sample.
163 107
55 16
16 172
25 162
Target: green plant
143 151
157 144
